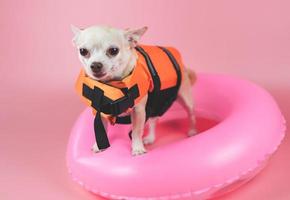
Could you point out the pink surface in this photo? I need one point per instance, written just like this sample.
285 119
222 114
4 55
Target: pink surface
38 67
187 168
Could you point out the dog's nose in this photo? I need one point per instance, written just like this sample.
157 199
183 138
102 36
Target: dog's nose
96 66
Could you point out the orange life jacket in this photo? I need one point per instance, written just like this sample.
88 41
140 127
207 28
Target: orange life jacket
158 73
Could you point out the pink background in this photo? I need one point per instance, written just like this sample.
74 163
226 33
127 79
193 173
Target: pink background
38 66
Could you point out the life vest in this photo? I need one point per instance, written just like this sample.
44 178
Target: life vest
158 73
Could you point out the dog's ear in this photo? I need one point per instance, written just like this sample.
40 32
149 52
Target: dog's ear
76 31
133 35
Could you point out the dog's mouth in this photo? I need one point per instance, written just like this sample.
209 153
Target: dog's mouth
99 74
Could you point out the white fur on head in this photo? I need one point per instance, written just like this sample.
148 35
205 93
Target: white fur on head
97 40
134 35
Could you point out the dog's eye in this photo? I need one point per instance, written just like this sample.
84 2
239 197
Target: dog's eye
84 52
112 51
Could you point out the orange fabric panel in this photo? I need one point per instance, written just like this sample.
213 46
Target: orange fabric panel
163 65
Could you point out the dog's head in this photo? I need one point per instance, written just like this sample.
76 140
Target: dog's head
106 53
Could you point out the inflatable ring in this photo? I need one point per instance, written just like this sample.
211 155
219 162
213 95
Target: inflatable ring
248 128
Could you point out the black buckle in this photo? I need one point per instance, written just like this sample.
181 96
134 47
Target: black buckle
124 103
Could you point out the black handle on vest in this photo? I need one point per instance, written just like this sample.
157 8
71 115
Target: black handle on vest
96 97
100 132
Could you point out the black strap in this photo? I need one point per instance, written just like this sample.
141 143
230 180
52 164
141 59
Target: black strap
168 96
102 104
175 65
100 132
96 96
152 96
123 120
152 70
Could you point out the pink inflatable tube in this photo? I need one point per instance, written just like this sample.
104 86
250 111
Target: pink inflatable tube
246 129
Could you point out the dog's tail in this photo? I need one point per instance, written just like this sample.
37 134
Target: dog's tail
191 75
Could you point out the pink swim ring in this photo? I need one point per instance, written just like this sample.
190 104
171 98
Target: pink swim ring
240 127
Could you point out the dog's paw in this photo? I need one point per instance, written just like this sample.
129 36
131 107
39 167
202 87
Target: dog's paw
149 139
95 148
138 149
136 152
192 132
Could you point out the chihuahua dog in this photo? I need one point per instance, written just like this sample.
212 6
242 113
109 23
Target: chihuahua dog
109 54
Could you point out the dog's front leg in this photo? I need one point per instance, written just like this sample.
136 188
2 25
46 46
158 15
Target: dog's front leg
138 116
